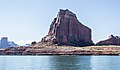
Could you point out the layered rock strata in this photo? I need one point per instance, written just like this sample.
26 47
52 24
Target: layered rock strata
67 30
112 40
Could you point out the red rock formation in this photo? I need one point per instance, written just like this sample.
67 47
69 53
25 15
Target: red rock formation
112 40
67 30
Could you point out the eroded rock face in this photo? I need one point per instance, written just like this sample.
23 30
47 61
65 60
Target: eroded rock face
67 30
112 40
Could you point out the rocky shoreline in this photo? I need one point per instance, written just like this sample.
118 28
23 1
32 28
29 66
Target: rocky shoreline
62 50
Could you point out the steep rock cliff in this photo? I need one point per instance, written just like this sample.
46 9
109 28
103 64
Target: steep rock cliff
67 30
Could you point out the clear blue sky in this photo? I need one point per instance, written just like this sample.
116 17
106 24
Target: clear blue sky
23 21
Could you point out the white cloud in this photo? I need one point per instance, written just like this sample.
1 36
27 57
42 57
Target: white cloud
23 42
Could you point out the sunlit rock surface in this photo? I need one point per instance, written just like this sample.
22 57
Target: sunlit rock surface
67 30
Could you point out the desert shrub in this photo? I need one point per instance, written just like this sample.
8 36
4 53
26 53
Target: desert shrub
33 43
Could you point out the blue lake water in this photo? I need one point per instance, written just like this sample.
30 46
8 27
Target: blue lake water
60 62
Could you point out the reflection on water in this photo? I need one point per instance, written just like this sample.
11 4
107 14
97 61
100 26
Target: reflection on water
59 62
70 63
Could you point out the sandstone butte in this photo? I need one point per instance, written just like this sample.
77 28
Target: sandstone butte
65 29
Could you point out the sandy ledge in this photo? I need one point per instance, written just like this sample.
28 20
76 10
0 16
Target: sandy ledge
62 50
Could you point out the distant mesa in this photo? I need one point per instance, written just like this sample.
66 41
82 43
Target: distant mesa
5 44
12 44
67 30
112 40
